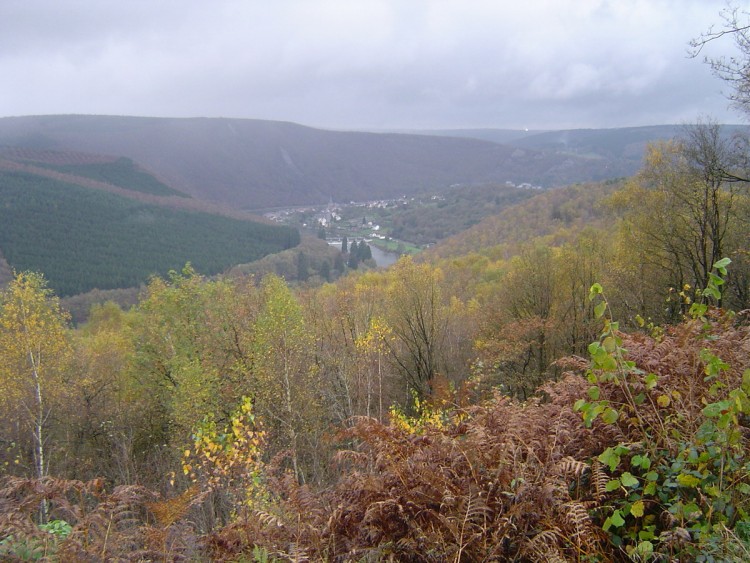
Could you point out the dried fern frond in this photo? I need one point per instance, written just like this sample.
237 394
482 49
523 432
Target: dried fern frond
580 524
355 459
571 467
297 554
599 480
169 511
542 545
268 519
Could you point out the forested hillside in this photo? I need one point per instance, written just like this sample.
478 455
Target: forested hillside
572 386
555 216
83 238
121 172
451 211
255 164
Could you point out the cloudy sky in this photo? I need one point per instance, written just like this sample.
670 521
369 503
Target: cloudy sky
365 64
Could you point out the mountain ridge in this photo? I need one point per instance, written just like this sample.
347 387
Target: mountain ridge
256 164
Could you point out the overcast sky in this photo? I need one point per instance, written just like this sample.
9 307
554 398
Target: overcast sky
365 64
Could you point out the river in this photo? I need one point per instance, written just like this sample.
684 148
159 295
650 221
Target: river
382 258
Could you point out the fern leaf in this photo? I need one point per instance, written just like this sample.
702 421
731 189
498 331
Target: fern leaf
599 480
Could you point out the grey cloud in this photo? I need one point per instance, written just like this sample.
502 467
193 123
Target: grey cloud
363 64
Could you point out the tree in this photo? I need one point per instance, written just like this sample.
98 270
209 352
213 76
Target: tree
283 376
580 265
418 320
104 408
682 206
349 327
303 266
353 261
339 264
344 245
711 204
363 251
34 350
325 270
734 70
193 351
520 338
373 345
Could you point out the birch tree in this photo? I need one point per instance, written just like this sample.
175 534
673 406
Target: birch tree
34 350
287 392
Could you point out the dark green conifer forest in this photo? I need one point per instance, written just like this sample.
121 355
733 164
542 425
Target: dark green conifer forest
63 229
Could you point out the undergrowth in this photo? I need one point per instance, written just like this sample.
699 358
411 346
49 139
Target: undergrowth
638 453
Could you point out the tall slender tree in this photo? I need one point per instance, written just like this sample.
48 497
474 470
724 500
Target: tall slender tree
34 351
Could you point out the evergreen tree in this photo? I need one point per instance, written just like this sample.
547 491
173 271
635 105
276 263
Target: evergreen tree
338 264
353 261
365 252
325 270
303 266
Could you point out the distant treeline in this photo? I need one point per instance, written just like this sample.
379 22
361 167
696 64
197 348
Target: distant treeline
84 239
453 211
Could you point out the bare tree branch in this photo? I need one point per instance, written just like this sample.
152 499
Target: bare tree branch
734 70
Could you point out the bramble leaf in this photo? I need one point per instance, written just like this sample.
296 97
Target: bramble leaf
628 480
599 309
687 480
595 290
610 458
610 415
617 519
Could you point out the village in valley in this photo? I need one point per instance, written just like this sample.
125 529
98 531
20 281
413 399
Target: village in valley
393 225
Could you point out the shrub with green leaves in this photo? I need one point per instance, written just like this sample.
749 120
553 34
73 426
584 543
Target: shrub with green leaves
677 482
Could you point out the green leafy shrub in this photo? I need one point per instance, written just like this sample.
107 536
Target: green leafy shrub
677 481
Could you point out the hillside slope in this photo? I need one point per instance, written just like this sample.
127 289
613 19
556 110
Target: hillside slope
255 164
618 151
82 238
555 215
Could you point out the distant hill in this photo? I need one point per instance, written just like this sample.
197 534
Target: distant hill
614 142
252 164
619 150
555 216
501 136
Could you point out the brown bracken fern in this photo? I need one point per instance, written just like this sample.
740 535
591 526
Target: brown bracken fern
497 481
106 526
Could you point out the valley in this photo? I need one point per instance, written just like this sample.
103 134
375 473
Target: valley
238 384
405 225
391 281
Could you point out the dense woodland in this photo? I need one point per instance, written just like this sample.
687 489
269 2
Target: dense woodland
122 172
566 381
451 211
126 239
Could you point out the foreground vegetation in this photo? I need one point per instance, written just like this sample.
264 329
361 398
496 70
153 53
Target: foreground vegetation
575 391
640 452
